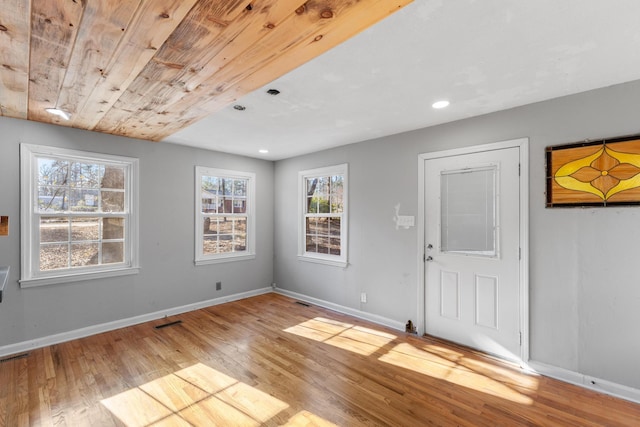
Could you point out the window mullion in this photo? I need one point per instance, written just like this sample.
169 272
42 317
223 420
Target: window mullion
323 215
100 238
69 237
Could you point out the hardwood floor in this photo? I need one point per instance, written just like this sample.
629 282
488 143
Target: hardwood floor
268 361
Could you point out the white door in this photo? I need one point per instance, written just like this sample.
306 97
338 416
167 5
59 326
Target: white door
472 250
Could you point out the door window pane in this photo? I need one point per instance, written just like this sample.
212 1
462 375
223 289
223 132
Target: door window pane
468 211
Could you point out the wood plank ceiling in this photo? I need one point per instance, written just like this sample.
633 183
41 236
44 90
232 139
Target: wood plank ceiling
148 68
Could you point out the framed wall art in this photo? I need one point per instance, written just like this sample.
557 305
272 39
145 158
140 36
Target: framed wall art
594 173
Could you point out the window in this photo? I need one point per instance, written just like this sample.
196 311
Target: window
224 215
79 215
468 220
323 219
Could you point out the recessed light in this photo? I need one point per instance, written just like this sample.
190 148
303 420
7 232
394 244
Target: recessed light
58 112
273 92
440 104
263 151
239 107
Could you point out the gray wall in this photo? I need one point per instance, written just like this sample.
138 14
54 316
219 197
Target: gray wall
168 276
584 269
584 280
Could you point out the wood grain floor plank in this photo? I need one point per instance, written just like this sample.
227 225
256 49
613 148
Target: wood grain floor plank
268 361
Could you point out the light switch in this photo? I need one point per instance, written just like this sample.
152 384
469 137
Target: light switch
406 221
4 225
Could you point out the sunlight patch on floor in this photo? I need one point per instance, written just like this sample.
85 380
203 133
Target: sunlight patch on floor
197 395
424 362
307 419
443 351
499 373
432 360
346 336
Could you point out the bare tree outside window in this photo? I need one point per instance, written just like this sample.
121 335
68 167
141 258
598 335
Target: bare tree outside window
79 217
323 222
69 190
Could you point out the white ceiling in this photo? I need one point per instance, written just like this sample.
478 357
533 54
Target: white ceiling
482 55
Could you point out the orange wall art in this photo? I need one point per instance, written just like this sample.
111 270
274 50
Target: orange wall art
594 173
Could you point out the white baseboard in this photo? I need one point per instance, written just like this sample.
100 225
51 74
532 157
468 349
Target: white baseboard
380 320
586 381
592 383
25 346
596 384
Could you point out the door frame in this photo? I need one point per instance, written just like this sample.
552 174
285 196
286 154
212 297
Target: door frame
523 145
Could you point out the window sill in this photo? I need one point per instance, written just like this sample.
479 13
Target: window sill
224 259
317 260
77 277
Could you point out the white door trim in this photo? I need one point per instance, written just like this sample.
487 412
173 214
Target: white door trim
523 145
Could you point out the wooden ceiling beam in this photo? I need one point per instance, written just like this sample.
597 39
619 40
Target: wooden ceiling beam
14 58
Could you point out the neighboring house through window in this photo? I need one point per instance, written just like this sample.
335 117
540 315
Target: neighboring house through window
323 219
79 215
225 220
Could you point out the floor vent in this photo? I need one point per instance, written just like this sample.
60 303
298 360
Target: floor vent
303 303
177 322
17 356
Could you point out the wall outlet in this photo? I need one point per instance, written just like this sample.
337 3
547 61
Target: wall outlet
218 286
363 297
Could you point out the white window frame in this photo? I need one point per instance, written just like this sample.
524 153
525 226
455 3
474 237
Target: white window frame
328 259
30 218
250 213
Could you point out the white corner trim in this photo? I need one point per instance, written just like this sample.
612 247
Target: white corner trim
572 377
586 381
380 320
24 346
